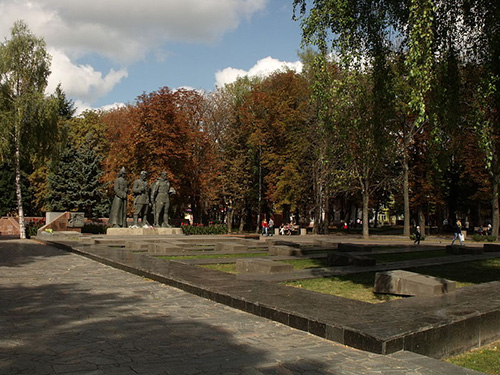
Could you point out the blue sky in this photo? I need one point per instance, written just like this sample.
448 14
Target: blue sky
108 52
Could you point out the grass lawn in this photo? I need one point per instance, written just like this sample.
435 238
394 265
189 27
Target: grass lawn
360 286
357 286
229 268
485 359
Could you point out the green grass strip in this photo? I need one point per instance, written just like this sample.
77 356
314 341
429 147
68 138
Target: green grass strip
485 359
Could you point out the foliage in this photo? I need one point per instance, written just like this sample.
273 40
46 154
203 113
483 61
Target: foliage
28 117
481 238
164 131
7 194
204 229
74 182
32 228
94 228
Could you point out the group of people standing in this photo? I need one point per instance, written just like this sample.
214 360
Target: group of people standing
267 227
157 196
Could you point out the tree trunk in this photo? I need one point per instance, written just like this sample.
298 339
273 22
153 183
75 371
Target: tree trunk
366 200
17 166
421 220
326 222
494 207
229 218
406 198
242 221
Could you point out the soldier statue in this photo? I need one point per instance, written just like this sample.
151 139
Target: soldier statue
160 192
141 200
118 214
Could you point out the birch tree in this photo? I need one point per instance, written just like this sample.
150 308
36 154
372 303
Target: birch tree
28 118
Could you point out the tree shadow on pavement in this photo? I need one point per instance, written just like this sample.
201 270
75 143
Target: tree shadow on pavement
16 252
62 328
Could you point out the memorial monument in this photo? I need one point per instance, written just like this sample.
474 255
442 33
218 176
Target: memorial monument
118 214
160 197
140 189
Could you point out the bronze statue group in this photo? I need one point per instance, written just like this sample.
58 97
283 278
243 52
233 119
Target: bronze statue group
158 196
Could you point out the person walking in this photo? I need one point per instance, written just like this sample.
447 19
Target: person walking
418 235
457 233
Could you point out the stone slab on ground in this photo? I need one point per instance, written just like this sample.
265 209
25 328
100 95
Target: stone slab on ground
137 245
75 316
283 243
491 247
346 259
164 248
131 232
327 243
433 326
405 283
350 247
279 250
261 266
230 246
460 250
169 231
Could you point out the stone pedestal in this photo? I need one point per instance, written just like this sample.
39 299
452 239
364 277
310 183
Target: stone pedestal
131 232
143 231
168 231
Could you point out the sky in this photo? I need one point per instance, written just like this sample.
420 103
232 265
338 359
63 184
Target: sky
108 52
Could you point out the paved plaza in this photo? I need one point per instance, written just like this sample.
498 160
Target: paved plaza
63 313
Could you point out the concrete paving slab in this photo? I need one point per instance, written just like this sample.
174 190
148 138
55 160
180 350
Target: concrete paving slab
62 313
339 319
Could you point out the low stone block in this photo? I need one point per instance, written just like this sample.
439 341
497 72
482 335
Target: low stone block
230 246
87 241
407 283
169 231
491 247
163 248
350 247
137 246
460 250
262 266
284 243
344 259
331 244
284 251
131 232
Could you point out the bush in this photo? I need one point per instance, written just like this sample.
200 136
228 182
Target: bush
32 228
199 229
481 238
412 237
94 228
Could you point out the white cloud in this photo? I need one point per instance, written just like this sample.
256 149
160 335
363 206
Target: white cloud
262 68
81 81
123 31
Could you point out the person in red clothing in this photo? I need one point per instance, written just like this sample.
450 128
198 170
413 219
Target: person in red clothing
265 227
